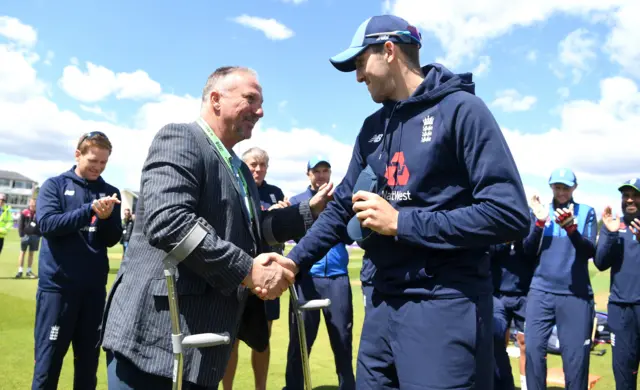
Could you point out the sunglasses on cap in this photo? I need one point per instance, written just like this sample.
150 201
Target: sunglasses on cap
90 135
410 35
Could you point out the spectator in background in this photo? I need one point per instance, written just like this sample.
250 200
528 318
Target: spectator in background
6 220
327 278
127 229
270 197
29 232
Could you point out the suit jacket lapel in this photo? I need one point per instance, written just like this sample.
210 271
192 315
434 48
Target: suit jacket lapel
232 178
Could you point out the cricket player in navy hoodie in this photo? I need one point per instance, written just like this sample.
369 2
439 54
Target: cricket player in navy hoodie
619 249
79 218
511 271
446 189
562 241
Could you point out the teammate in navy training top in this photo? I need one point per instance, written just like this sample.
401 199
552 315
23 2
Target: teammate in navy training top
447 188
511 271
79 218
562 242
257 160
619 249
328 278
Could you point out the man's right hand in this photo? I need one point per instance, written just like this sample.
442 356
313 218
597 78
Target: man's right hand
539 210
268 278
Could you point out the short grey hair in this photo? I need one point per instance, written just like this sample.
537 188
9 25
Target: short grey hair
220 74
259 154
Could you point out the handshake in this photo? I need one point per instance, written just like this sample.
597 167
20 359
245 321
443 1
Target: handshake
271 275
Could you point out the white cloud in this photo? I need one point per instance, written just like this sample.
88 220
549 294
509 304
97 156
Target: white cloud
483 66
463 27
532 55
98 82
18 79
622 44
597 139
271 28
50 55
576 51
511 100
96 110
296 2
17 32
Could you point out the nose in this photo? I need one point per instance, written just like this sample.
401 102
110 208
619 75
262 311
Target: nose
260 112
359 75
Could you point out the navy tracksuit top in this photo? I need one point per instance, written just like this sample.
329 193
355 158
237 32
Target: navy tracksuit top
442 161
336 261
620 251
75 241
563 261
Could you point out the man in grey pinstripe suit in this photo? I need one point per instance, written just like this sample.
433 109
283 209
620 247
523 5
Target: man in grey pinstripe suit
191 176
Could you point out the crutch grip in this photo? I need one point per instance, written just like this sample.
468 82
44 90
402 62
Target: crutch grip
205 340
315 304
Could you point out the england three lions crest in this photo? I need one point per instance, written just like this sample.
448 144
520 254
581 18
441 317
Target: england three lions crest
427 128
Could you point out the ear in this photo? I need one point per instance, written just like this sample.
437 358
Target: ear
77 154
214 99
390 50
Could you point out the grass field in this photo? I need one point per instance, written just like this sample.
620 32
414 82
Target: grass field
17 303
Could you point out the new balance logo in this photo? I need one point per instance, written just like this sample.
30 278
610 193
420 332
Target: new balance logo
376 138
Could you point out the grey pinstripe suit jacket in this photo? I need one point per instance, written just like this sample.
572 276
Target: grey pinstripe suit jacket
184 179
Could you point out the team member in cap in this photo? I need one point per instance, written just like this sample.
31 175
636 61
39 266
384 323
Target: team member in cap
79 218
442 186
562 241
328 278
271 197
619 249
6 220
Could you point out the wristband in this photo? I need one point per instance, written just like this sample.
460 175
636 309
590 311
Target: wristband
571 228
540 223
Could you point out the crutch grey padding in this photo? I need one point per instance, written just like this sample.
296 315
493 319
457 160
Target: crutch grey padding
298 308
178 341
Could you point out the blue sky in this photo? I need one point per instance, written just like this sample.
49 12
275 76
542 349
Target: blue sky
560 78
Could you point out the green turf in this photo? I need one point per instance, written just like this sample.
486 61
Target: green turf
17 300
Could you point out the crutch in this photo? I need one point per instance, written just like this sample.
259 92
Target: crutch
178 341
298 308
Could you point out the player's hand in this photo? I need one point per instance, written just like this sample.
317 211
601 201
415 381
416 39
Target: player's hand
267 278
539 210
280 205
566 219
375 213
635 228
321 198
611 222
103 207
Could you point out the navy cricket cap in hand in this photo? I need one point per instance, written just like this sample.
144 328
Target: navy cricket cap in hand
367 181
373 31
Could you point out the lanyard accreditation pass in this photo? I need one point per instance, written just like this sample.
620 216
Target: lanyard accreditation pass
226 156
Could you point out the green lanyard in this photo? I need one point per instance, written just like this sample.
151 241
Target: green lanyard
226 156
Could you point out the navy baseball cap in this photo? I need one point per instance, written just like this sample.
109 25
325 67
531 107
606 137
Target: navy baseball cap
314 162
373 31
632 183
563 176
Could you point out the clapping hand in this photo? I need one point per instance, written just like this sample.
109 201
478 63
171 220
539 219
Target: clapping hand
319 201
635 228
539 210
566 219
280 205
270 276
103 207
611 222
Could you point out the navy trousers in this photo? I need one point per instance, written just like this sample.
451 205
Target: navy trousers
573 317
124 375
503 379
63 319
427 344
338 318
624 321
